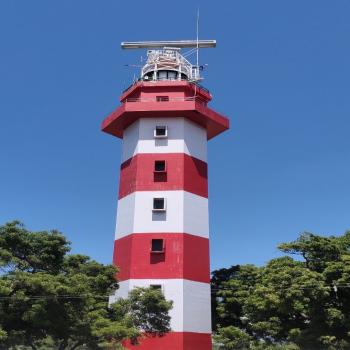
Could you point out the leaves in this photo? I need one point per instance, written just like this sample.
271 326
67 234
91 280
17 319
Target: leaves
149 310
24 250
288 304
52 300
233 338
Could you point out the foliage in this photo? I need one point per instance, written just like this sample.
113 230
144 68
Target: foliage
287 304
149 310
145 309
232 338
52 300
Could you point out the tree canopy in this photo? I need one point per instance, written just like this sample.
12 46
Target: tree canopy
301 303
50 299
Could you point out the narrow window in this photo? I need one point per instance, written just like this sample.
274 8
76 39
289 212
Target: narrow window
160 131
171 75
158 204
157 246
156 287
159 166
162 75
162 98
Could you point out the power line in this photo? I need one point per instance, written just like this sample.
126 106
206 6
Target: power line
38 297
334 287
329 287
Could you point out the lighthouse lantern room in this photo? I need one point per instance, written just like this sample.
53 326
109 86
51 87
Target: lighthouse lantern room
162 230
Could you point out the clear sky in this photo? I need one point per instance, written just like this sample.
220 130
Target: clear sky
280 71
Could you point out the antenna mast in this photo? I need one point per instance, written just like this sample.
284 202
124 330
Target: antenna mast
198 39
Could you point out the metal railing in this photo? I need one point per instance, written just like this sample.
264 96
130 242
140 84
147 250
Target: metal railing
169 59
199 86
170 99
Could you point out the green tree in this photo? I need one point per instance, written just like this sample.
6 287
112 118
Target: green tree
316 250
288 304
52 300
232 338
230 287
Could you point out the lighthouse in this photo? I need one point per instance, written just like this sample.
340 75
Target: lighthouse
162 230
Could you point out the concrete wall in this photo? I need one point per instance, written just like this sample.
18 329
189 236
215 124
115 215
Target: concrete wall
184 136
191 311
185 213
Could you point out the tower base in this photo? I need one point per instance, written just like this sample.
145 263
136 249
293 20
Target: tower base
174 341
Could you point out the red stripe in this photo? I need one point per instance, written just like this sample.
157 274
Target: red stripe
185 256
174 341
183 172
197 111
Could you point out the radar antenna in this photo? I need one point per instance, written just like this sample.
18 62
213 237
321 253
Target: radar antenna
164 60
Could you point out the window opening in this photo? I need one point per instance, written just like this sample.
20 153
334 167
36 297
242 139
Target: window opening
158 204
156 286
160 131
162 98
157 246
159 166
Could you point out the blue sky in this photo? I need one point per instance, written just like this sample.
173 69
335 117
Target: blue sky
280 72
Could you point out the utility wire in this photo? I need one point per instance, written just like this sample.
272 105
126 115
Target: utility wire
84 296
333 287
38 297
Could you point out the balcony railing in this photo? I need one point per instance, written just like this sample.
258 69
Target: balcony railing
199 86
163 99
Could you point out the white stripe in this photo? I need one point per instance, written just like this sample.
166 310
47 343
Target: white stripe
184 136
191 310
185 213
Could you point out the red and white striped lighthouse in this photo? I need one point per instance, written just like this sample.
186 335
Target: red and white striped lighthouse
162 231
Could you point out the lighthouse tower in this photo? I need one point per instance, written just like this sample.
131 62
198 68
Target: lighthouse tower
162 231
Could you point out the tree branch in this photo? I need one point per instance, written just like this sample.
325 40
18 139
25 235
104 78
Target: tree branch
63 345
76 345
